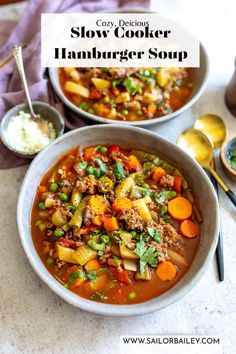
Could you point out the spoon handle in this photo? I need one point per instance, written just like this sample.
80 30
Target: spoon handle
231 196
219 248
17 53
223 185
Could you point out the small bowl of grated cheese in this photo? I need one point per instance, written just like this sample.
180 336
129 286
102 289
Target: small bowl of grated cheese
23 136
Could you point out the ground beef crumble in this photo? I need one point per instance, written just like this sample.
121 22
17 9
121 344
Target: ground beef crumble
87 185
132 218
88 215
167 181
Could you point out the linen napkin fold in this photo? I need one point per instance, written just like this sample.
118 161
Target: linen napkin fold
28 31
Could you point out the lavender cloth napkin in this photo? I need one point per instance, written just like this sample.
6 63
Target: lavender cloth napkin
28 31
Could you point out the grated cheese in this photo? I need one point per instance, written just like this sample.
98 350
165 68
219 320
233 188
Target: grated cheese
23 134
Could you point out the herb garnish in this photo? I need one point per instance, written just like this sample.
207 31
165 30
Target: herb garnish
119 170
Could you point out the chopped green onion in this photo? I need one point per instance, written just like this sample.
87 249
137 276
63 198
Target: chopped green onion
105 239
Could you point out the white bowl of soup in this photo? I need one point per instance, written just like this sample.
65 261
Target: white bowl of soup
115 227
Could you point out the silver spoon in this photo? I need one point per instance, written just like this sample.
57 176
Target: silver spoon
17 53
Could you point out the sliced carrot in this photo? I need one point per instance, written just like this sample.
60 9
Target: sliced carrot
177 183
133 163
189 229
99 204
158 173
101 281
180 208
93 264
77 283
121 204
97 220
111 224
89 152
152 108
166 271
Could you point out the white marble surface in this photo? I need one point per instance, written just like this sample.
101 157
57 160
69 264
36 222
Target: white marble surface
34 320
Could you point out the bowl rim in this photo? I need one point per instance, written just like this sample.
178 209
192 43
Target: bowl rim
179 290
18 107
54 79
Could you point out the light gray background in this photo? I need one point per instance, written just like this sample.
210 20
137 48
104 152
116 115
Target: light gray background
34 320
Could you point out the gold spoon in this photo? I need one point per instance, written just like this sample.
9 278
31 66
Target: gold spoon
214 127
198 145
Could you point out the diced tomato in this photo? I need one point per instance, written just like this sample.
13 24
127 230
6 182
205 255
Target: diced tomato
114 149
120 274
95 94
177 183
65 242
89 152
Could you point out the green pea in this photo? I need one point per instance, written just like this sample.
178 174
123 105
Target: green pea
64 197
49 261
132 295
125 112
105 239
90 170
41 206
58 233
53 187
133 233
90 110
103 149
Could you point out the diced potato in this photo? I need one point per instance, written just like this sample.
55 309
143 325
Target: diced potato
142 209
77 218
127 253
147 199
123 97
66 227
177 258
77 89
73 73
76 197
163 76
123 189
130 264
153 96
114 262
65 254
58 219
112 114
84 254
115 250
99 204
101 84
49 202
126 236
145 276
